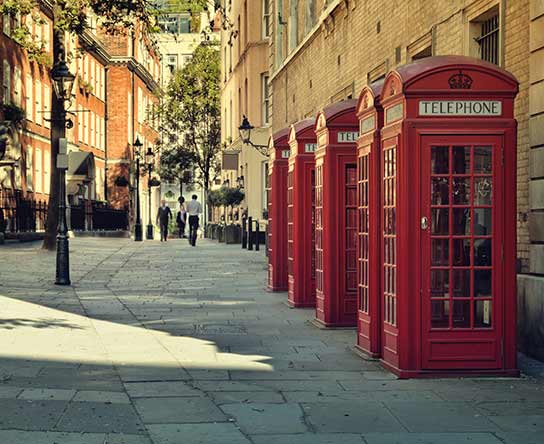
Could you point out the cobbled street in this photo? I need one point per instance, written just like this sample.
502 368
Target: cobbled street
168 344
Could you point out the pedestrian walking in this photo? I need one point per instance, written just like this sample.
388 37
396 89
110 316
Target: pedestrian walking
163 219
181 220
194 209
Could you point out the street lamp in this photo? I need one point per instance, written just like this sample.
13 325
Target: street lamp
245 134
149 160
138 225
63 81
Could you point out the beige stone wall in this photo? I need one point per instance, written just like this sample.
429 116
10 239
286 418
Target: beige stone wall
241 94
356 41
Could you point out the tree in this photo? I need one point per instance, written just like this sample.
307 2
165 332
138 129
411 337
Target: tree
70 16
191 113
176 164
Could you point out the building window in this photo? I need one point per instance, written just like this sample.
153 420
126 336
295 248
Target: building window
47 107
279 32
485 37
266 19
265 94
39 109
172 62
424 53
29 169
29 99
309 15
489 39
293 25
46 169
17 86
6 22
38 170
6 82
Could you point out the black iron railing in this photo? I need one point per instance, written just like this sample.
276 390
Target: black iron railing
21 214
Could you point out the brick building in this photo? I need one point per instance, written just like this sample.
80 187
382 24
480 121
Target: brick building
325 51
112 103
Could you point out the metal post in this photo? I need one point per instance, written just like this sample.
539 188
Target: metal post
250 234
138 234
149 235
244 232
62 276
257 234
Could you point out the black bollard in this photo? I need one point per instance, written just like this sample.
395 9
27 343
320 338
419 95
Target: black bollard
244 232
257 235
250 234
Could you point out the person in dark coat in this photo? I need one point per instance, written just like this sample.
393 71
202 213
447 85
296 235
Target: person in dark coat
163 219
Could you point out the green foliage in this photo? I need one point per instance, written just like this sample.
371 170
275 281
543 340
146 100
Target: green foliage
15 114
225 196
190 112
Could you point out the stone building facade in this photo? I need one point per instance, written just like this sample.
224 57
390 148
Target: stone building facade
324 51
244 92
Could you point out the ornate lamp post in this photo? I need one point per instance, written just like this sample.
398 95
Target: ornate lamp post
138 236
149 161
63 81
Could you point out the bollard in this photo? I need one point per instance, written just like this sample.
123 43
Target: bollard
257 235
250 234
244 232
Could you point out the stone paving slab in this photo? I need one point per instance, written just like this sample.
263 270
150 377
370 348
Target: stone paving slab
255 419
431 438
178 410
197 434
174 345
351 417
309 438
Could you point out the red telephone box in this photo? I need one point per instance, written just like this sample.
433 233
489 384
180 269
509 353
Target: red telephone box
300 215
370 114
336 215
278 148
448 215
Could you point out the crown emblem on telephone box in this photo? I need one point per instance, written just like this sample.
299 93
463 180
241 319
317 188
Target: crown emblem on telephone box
460 81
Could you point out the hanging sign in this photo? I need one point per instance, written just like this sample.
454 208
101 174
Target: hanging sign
310 147
460 108
348 136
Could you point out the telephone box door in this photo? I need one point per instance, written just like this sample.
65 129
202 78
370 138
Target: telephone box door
462 236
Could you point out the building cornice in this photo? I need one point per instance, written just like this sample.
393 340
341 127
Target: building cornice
137 68
94 45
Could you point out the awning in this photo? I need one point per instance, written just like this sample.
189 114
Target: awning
81 163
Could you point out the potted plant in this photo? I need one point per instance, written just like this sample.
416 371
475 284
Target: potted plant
232 197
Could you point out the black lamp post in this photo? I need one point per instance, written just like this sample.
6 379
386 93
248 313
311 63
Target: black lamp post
149 161
138 237
245 134
63 81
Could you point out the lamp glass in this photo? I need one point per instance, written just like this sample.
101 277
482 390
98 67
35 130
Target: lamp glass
149 156
63 80
245 130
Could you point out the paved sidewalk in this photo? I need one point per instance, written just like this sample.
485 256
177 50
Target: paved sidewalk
166 344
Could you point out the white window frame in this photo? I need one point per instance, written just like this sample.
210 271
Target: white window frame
29 97
266 16
17 86
47 106
265 99
38 100
38 171
46 172
29 169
